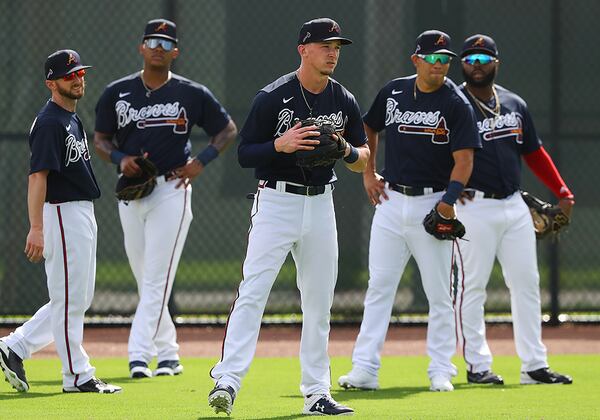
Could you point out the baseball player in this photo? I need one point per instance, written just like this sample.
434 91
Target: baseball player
498 223
63 231
430 137
292 212
150 113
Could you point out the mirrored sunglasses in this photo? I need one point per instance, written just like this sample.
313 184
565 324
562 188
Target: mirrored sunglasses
433 58
482 58
71 76
165 44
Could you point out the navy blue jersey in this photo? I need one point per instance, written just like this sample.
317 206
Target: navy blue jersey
505 137
158 122
273 112
421 131
59 144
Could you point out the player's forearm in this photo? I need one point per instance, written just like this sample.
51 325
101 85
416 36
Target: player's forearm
543 167
106 149
252 155
363 157
36 195
218 144
463 166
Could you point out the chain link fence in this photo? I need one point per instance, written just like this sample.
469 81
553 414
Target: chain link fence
235 48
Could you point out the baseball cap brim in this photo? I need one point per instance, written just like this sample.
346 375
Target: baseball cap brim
344 41
444 51
478 51
167 37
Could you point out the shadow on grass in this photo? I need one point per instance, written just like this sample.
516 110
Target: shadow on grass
25 395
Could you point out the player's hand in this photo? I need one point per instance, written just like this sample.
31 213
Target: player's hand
295 139
34 245
465 196
187 172
566 205
129 167
446 210
374 187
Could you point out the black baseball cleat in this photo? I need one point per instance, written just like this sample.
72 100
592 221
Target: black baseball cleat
485 377
139 369
324 405
12 366
221 399
168 368
544 376
94 385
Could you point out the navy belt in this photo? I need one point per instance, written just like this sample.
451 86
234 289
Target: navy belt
299 189
493 195
413 191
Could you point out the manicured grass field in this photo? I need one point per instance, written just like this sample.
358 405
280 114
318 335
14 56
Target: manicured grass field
271 392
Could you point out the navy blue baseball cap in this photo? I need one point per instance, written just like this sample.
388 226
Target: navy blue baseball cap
61 63
433 42
161 28
321 30
479 44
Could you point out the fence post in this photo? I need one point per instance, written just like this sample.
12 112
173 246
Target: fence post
555 126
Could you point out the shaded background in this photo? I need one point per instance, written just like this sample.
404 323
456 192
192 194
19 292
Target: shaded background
237 47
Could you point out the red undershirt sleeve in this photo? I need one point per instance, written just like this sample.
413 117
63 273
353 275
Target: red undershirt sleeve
543 167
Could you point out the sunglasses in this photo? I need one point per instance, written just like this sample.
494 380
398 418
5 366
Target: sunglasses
165 44
433 58
71 76
482 58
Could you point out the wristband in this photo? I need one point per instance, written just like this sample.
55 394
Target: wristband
116 156
353 156
452 192
207 155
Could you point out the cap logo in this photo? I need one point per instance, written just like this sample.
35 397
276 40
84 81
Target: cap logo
161 27
71 59
306 37
441 40
50 72
335 28
480 42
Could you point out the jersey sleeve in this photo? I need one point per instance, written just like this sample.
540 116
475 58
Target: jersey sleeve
214 117
354 131
256 147
463 126
106 116
46 143
375 116
531 141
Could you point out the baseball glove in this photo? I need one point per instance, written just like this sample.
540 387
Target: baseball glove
327 151
547 218
442 228
134 188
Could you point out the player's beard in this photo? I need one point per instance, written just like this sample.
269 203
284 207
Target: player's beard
69 93
487 80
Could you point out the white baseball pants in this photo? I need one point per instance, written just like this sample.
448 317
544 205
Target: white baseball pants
397 232
155 228
501 228
70 236
282 222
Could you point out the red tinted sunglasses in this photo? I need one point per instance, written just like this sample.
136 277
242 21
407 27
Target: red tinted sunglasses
71 76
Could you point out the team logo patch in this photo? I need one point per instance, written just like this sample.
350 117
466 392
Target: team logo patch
438 134
335 28
421 123
161 27
71 59
479 42
441 40
76 149
157 115
503 126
